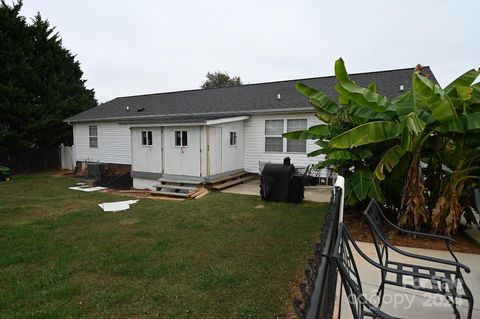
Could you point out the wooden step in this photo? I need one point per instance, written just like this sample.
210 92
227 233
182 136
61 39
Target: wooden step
187 188
178 181
234 182
169 193
226 178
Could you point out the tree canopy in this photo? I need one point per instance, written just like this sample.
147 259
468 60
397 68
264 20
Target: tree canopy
220 80
40 84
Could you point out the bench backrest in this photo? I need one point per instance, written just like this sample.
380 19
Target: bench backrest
374 217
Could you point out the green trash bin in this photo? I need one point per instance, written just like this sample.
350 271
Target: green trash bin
5 173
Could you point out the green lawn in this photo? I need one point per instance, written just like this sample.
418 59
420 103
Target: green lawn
223 256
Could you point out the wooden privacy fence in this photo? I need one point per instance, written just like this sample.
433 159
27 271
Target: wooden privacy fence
34 160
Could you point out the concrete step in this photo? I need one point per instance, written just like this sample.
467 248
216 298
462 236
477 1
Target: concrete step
234 182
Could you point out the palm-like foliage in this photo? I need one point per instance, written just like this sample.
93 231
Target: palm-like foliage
366 132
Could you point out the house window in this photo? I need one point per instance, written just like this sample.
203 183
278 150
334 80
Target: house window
93 136
273 136
274 142
147 138
181 138
296 146
233 138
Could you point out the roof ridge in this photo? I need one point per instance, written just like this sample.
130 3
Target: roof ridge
260 83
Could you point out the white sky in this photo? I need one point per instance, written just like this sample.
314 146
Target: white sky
139 47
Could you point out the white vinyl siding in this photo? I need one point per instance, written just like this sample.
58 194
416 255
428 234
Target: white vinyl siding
114 144
255 142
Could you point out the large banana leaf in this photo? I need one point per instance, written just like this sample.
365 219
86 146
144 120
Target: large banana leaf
463 124
341 72
367 133
429 95
388 161
366 113
403 103
312 133
317 152
363 185
342 154
413 123
301 135
465 80
318 98
363 96
322 130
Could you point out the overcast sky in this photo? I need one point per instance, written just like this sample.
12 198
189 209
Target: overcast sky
139 47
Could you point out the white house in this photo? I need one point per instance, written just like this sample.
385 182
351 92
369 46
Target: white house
204 133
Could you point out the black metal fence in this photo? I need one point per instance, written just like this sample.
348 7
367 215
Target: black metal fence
33 160
319 286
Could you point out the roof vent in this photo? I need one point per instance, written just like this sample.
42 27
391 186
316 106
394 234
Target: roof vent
127 108
401 88
278 96
140 109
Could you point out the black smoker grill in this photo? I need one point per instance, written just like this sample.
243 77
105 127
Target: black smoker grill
280 183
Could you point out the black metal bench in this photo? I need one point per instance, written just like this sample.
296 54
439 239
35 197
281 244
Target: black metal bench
347 267
445 279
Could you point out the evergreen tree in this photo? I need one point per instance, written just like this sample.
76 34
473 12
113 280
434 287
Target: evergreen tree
40 84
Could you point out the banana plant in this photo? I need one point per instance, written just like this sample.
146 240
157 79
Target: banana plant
421 113
366 133
354 164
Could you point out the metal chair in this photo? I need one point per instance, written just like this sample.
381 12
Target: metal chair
444 279
342 254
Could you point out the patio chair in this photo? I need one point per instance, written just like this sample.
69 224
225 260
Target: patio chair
345 261
443 280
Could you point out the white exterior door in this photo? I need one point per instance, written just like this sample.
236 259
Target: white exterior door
182 150
215 149
147 149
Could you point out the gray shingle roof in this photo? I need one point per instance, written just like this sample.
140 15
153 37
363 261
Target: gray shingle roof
240 100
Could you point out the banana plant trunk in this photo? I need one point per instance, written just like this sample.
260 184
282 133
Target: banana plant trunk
413 210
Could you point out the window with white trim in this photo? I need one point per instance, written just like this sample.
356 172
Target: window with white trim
93 136
273 136
233 138
296 146
274 141
181 138
147 138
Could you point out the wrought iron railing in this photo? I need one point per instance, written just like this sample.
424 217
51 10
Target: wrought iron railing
319 285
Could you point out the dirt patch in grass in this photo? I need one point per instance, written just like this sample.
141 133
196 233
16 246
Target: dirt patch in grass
361 232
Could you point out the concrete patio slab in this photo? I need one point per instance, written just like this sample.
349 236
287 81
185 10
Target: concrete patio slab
319 194
407 303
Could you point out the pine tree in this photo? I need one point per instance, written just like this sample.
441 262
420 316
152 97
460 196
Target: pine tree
40 84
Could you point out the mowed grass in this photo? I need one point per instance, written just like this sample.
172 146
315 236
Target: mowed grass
223 256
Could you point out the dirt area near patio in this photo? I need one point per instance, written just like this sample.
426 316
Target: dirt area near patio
361 232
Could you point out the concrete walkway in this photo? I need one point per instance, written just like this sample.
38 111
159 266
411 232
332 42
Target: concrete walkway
407 303
319 194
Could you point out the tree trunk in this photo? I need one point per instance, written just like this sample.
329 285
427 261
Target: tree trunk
413 211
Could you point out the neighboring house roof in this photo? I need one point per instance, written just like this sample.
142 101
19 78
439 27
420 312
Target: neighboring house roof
239 100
